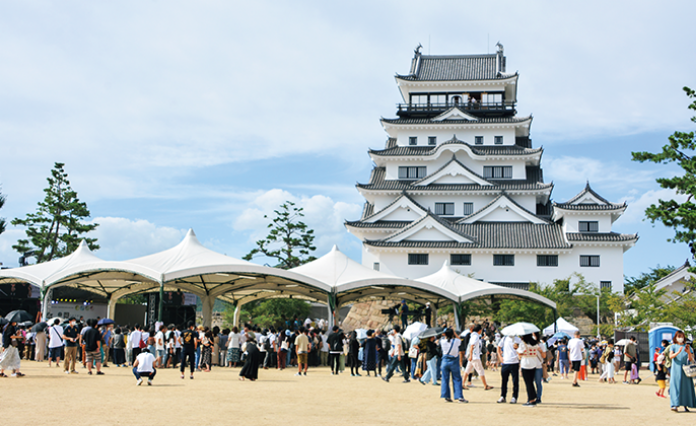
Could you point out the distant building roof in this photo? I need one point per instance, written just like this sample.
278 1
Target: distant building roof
457 67
600 237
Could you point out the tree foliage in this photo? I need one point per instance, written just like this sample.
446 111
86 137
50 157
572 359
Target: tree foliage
270 312
3 224
631 284
55 230
289 240
680 150
640 308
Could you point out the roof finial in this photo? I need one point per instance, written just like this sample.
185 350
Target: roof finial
499 45
418 49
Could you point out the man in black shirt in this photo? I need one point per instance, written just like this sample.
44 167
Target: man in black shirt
189 341
93 343
70 335
428 314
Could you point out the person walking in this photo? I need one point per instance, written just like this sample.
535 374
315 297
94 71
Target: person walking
55 342
159 346
71 335
9 358
396 355
629 354
473 354
353 352
431 357
563 360
302 346
93 345
252 360
134 341
539 374
681 387
576 352
529 363
119 348
144 366
206 361
510 367
40 340
607 359
369 362
324 353
450 367
222 343
335 342
189 343
233 347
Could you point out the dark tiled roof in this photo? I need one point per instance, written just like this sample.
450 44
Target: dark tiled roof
452 160
489 120
404 194
368 209
589 207
476 149
464 67
377 182
495 235
600 237
447 224
380 224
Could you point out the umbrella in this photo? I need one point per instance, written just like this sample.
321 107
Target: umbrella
520 329
105 321
3 321
19 316
431 332
39 327
413 330
26 324
623 342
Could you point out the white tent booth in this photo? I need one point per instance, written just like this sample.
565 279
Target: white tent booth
468 288
560 325
353 282
191 267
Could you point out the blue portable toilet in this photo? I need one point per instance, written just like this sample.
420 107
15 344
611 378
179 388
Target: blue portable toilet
655 338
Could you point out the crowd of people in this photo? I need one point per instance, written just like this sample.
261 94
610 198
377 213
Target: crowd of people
446 359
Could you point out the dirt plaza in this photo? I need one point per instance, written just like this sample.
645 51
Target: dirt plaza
48 396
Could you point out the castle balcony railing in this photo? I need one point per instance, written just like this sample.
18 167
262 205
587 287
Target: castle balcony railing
485 108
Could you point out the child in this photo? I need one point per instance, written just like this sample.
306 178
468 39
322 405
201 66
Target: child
661 375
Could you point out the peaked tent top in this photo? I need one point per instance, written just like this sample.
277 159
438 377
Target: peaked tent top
39 273
468 288
561 325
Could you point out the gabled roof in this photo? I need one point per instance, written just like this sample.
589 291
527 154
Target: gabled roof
680 274
379 183
427 222
453 168
456 67
493 235
403 201
600 237
483 120
502 201
588 199
454 113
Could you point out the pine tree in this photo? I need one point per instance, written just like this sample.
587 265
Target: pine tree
289 241
55 230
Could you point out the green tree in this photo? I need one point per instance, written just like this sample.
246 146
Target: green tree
289 241
55 230
681 311
271 312
3 224
680 150
640 308
631 284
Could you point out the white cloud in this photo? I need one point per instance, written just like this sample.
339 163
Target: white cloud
635 212
121 238
578 170
322 214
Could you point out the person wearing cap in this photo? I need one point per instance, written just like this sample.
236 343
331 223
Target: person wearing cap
404 314
71 336
143 366
397 356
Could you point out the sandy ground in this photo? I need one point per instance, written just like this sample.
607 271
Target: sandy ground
47 396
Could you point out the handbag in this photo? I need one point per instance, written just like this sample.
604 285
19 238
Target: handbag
689 370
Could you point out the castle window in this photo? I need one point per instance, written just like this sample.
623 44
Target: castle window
605 285
589 261
478 140
588 226
412 172
446 209
432 140
503 260
417 258
497 172
468 209
498 140
547 260
460 259
413 140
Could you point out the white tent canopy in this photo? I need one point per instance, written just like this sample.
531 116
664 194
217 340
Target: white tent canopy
39 273
561 325
353 282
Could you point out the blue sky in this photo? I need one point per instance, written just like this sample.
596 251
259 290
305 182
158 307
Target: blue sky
207 115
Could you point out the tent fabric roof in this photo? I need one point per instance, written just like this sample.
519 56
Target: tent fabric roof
561 325
39 273
352 281
468 288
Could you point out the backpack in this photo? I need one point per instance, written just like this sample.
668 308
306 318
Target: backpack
267 344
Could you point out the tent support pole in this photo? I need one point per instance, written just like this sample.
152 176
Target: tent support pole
457 320
46 302
111 308
161 303
207 310
331 306
237 314
555 319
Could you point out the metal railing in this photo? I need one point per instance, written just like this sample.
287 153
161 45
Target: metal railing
467 106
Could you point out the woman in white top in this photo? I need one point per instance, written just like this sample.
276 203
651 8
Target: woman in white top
233 347
529 362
